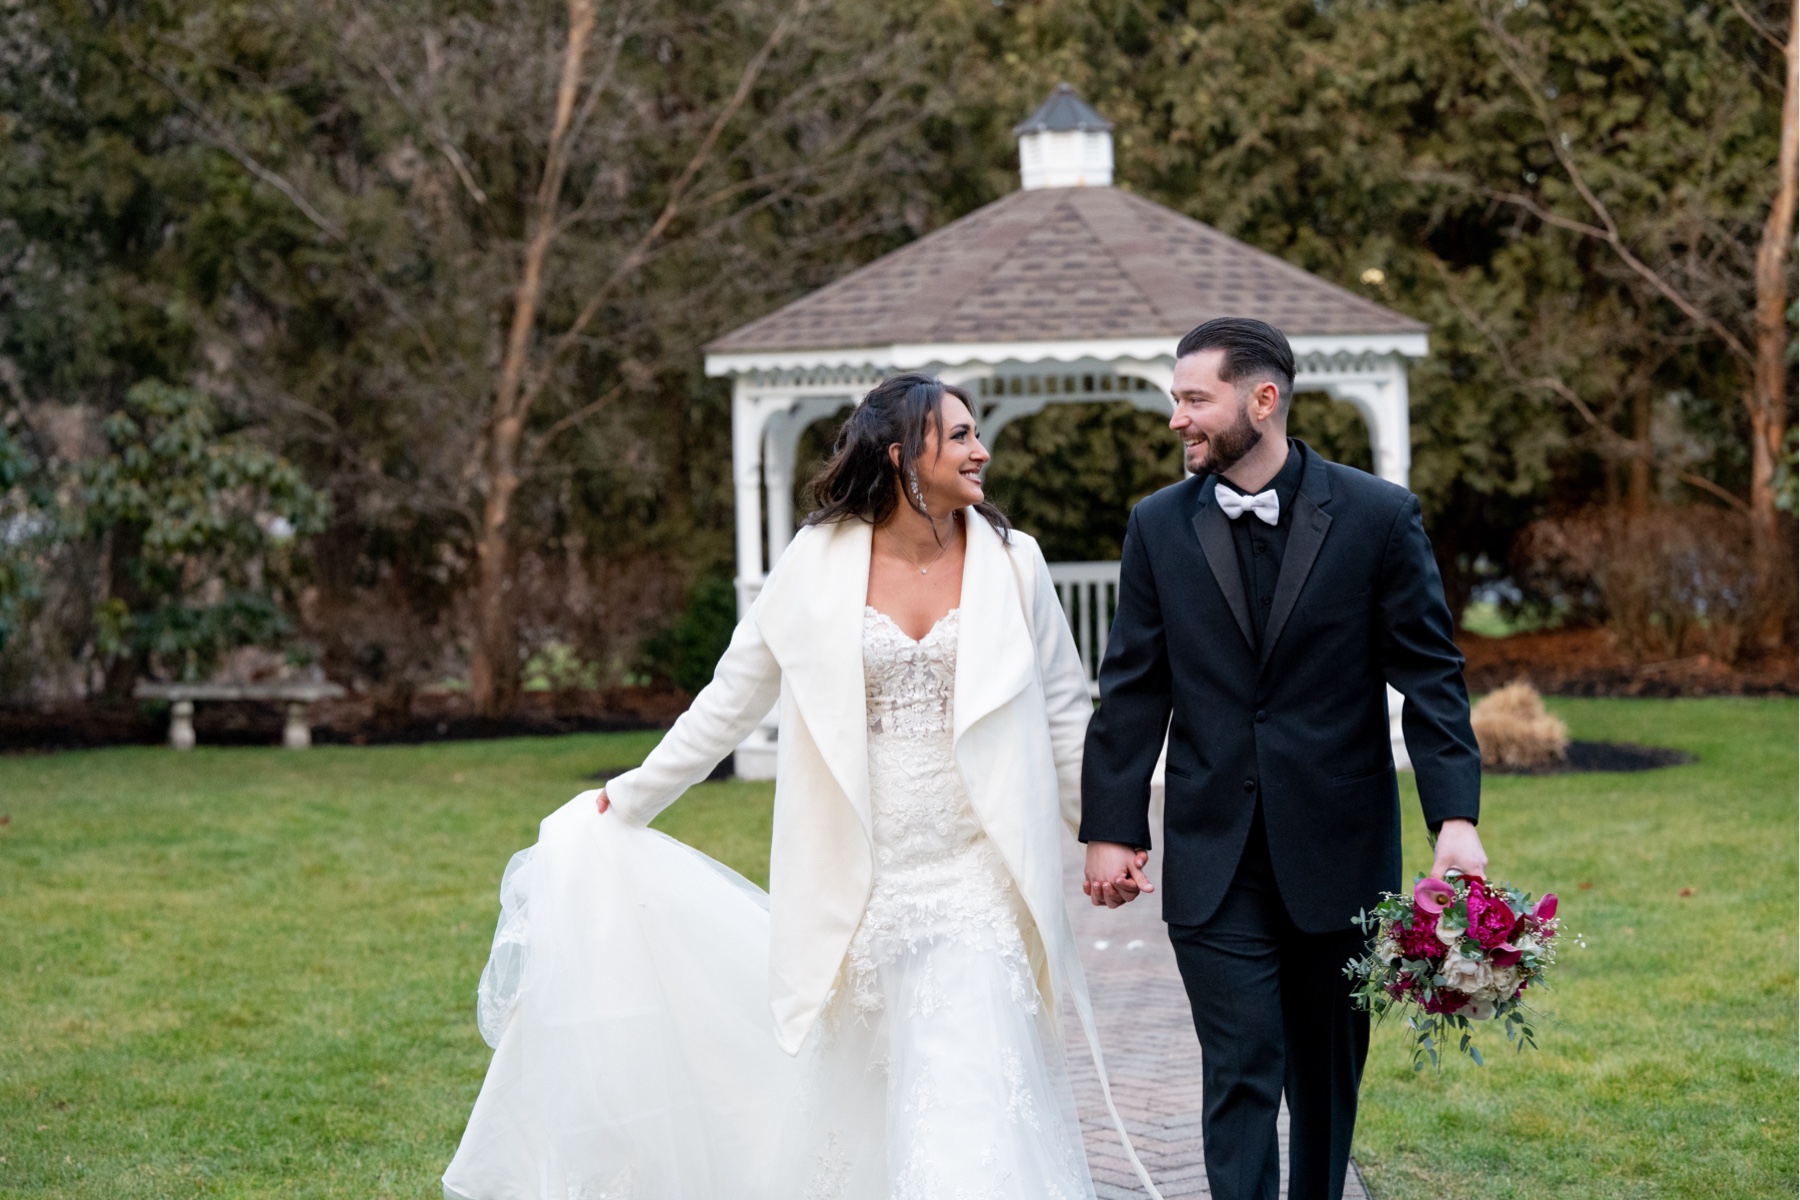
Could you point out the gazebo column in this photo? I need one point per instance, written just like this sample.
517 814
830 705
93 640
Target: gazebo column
751 411
747 419
778 482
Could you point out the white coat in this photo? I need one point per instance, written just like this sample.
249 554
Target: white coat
1019 718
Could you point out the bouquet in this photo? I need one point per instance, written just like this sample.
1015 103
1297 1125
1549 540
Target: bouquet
1459 949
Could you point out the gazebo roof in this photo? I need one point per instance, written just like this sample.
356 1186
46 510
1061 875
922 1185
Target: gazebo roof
1063 112
1060 264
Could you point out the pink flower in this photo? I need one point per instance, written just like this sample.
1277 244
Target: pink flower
1546 908
1433 895
1505 955
1491 919
1421 941
1446 1001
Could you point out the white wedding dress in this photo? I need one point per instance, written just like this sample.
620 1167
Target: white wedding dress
635 1055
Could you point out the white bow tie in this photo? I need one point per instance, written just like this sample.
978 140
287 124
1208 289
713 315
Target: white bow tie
1266 505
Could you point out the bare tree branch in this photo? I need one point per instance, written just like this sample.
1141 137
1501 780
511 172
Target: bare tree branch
1712 489
1513 55
433 129
221 138
677 191
1763 31
536 449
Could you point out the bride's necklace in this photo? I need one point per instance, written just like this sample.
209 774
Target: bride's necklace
942 550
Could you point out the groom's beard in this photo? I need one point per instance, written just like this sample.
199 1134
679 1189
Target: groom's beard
1221 452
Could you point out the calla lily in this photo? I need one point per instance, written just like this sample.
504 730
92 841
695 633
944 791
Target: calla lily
1546 908
1433 894
1505 954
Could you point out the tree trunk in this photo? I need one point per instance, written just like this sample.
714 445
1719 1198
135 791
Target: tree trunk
1767 402
125 546
1637 492
494 668
494 665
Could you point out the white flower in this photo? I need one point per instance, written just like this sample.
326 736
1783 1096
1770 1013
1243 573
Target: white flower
1450 934
1505 982
1466 975
1478 1010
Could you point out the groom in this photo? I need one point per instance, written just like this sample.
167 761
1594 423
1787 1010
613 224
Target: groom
1263 605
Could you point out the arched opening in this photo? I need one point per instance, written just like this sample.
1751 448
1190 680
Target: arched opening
1333 427
810 453
1069 474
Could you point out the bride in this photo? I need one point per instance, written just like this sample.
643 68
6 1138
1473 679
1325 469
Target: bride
882 1025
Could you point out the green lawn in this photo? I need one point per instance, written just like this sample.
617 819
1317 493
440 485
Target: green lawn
251 973
1669 1070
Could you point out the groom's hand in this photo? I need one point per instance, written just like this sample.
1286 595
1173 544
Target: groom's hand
1115 874
1459 846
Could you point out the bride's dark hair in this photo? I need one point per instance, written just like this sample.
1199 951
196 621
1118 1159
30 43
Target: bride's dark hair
859 480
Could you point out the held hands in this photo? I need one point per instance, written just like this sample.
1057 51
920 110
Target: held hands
1459 846
1115 874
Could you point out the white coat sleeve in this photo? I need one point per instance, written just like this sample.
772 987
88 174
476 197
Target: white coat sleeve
744 687
1067 700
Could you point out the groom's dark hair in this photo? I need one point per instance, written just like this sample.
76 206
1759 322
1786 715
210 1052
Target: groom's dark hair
1254 350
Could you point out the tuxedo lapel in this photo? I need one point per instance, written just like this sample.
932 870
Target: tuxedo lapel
1305 536
811 616
1214 530
995 659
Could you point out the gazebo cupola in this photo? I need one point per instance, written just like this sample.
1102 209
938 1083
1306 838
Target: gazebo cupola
1065 144
1068 290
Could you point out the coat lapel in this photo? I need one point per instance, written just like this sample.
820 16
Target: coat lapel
1214 529
995 659
1305 536
811 616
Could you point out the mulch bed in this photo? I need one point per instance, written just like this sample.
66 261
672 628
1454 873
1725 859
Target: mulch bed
1604 756
1582 662
1570 662
354 720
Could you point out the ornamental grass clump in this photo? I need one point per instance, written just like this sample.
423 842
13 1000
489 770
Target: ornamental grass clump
1514 731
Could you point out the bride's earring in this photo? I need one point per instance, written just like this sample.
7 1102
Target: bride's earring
918 495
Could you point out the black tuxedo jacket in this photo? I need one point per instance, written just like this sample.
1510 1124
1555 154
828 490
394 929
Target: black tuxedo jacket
1303 726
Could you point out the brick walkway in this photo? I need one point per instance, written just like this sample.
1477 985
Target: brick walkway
1152 1057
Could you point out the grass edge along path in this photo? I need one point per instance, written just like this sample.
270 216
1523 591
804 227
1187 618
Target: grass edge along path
251 973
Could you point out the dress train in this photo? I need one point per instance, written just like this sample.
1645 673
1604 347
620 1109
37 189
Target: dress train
626 999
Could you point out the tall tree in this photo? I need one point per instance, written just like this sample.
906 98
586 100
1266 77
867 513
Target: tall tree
1650 151
524 203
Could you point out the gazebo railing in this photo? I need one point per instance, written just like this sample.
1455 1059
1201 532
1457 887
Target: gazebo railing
1089 592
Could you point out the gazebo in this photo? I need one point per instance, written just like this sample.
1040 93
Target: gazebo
1068 290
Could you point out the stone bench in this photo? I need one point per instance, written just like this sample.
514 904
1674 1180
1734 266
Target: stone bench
295 735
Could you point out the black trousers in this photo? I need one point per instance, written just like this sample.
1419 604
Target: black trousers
1272 1008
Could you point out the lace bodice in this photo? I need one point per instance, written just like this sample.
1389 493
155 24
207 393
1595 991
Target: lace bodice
937 1073
917 798
937 877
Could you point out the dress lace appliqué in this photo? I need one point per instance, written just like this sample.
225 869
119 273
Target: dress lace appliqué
936 1058
937 878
